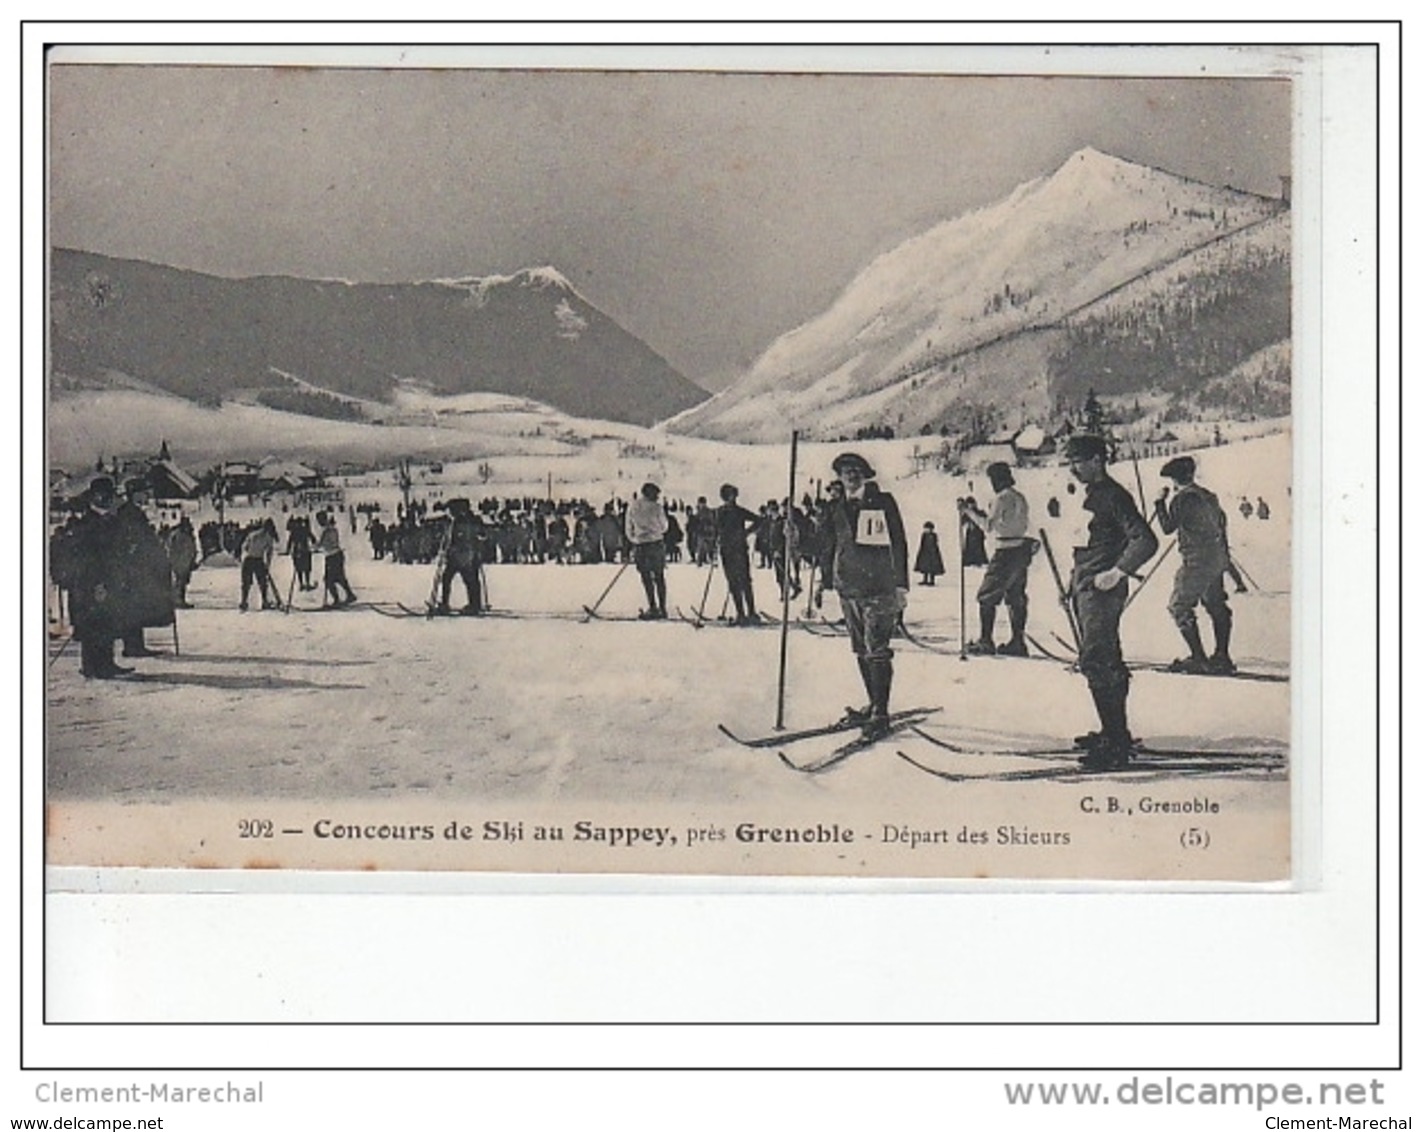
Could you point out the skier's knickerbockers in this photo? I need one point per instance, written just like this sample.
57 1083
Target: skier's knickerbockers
646 529
1195 516
865 559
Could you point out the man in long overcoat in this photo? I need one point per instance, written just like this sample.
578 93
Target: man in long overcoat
117 574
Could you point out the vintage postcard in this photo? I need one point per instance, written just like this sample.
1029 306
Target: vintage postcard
703 472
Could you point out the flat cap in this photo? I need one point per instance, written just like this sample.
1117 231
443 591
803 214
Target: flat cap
1179 469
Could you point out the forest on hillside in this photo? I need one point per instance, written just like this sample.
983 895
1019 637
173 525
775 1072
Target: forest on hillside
1185 340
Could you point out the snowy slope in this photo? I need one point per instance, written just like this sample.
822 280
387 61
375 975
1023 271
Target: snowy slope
1053 246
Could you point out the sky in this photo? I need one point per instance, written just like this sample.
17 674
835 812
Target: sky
708 213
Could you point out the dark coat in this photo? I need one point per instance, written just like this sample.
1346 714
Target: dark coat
466 537
929 560
974 544
733 523
117 573
866 552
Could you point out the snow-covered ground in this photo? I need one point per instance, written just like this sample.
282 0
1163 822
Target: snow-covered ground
541 717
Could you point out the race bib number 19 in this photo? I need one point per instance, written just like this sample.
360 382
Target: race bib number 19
873 529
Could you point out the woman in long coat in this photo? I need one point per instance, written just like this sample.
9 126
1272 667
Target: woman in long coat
929 560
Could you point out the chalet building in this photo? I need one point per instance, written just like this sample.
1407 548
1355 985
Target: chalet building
1032 445
241 477
167 481
286 475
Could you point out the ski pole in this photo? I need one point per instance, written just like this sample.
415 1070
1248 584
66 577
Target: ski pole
787 537
177 651
1062 590
290 589
1247 577
591 610
1146 512
962 594
61 651
1149 573
705 591
433 600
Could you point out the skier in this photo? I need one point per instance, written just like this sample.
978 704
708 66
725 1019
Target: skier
763 532
1118 542
733 523
609 534
328 542
1196 514
701 533
780 532
463 552
257 550
646 533
929 559
865 559
674 537
298 545
1006 577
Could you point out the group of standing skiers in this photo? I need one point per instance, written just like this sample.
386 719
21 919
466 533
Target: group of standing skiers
260 544
865 558
121 576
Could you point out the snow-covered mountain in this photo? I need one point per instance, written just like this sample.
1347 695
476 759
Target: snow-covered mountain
978 309
324 347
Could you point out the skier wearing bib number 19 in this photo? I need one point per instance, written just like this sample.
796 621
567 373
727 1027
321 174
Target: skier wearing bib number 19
865 559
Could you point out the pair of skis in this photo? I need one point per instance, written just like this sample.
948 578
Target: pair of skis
1262 677
898 721
591 614
1148 758
762 621
429 613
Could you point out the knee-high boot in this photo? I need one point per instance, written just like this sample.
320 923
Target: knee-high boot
881 681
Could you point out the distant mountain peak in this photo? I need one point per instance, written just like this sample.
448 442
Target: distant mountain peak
1090 172
1091 156
975 308
525 334
541 278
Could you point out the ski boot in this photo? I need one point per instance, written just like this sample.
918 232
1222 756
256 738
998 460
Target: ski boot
1111 752
875 727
